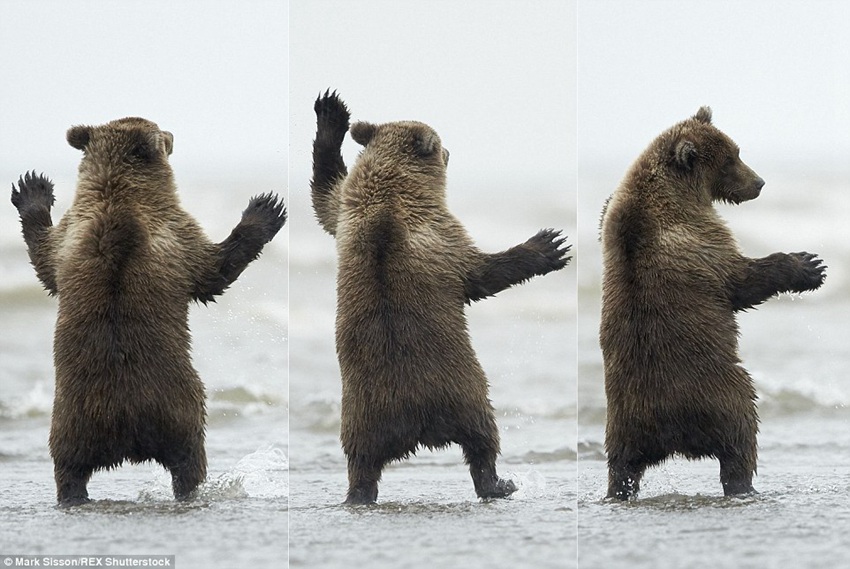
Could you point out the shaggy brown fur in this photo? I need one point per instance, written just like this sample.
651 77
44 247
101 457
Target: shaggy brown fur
125 260
673 280
406 269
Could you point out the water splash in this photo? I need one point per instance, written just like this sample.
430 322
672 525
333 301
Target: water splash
530 484
264 473
261 474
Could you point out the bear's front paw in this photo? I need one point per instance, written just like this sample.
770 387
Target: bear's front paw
549 244
266 212
811 271
34 192
332 118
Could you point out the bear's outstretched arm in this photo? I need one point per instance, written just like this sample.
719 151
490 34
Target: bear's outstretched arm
543 253
759 279
261 221
33 198
329 169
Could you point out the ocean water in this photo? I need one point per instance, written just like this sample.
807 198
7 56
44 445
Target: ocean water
427 513
240 349
795 348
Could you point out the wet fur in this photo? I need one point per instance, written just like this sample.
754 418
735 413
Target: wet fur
125 261
673 280
407 267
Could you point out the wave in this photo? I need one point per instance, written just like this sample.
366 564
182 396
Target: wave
540 457
772 403
222 404
321 415
243 400
37 402
788 402
591 450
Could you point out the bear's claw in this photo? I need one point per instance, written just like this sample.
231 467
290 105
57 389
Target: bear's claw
332 117
267 211
33 191
550 244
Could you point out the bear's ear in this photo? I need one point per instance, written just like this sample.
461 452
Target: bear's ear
685 154
78 136
703 115
362 132
168 139
425 143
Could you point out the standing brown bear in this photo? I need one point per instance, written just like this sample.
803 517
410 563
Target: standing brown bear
407 267
125 261
673 280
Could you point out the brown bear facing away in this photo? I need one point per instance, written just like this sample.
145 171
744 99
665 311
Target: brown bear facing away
406 269
125 261
673 280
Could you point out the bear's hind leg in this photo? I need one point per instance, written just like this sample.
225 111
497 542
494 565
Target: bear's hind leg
364 473
479 452
624 477
71 481
188 472
736 475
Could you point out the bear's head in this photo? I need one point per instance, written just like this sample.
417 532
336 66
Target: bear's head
125 145
411 145
701 155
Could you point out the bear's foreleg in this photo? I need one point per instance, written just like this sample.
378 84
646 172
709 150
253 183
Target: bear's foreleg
332 122
493 273
33 199
759 279
260 222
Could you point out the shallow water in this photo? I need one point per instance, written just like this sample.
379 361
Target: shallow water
799 518
428 516
240 351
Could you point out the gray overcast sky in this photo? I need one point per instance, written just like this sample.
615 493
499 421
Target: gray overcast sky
213 73
499 80
496 79
775 72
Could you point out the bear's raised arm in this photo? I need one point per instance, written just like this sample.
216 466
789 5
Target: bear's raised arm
260 222
759 279
33 198
495 272
328 167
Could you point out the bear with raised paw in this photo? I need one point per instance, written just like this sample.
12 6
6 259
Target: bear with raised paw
406 270
673 280
125 261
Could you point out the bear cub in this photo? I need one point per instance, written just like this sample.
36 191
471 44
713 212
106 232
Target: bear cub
406 270
125 261
673 281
